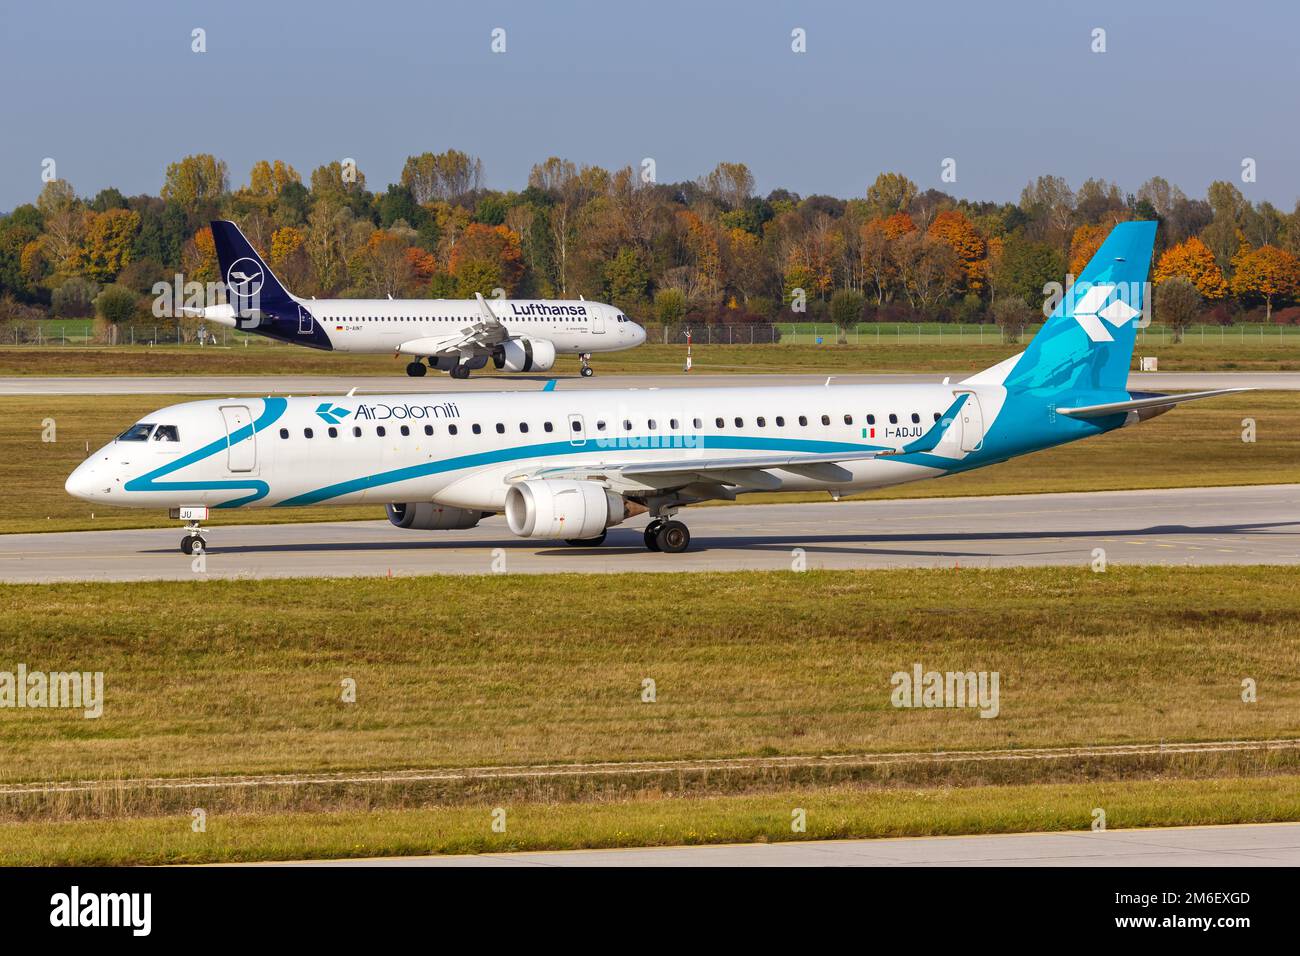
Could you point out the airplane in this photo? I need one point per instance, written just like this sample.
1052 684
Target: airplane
453 335
568 465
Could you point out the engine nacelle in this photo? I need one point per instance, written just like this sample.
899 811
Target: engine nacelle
542 508
524 355
427 516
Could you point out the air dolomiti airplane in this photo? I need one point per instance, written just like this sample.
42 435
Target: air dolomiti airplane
454 335
569 465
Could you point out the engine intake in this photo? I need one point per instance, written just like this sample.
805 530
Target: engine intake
524 355
427 516
543 508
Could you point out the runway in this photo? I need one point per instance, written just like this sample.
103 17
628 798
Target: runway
1269 844
1258 524
390 384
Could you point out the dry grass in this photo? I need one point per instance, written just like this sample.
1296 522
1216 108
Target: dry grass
244 676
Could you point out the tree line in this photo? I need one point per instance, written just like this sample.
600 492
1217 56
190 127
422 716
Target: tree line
709 250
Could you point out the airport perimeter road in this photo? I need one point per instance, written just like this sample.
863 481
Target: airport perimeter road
379 384
1269 844
1194 526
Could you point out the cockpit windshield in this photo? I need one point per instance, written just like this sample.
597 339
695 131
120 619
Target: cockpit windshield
166 433
137 432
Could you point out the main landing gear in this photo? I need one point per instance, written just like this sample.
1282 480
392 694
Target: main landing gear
416 369
460 371
193 542
667 535
585 359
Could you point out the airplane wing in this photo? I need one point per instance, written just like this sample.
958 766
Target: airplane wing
474 339
752 471
1163 402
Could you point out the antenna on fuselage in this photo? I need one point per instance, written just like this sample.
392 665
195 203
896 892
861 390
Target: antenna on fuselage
828 379
352 391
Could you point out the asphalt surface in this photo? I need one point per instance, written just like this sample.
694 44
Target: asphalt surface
390 384
1257 524
1271 844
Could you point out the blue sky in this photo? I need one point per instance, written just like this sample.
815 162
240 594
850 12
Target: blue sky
1010 90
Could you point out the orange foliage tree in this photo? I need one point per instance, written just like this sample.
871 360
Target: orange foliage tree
1269 272
1193 260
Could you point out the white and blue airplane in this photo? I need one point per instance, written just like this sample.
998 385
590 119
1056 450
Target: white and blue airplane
570 464
452 335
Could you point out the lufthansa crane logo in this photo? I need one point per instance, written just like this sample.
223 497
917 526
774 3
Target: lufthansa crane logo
1091 308
245 278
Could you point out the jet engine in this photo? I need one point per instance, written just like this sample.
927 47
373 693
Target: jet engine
524 355
574 510
427 516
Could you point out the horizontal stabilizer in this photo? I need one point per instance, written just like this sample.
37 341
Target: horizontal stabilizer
1145 402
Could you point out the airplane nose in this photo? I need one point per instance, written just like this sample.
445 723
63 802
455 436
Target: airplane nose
81 483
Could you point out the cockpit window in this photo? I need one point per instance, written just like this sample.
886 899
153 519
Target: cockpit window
166 433
138 432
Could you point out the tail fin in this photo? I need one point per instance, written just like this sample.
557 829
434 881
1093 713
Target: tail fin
250 283
1086 347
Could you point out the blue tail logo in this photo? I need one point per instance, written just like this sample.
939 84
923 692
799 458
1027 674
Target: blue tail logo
1091 307
332 414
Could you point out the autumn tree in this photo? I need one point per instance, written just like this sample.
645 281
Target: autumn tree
1178 303
891 193
446 176
1085 242
846 311
108 239
195 179
1192 260
731 184
954 230
486 258
1267 272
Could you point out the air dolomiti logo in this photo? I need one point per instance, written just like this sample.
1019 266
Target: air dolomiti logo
1094 306
332 414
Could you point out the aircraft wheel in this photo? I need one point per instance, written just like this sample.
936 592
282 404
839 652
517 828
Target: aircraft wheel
673 537
588 371
459 371
651 534
416 369
193 544
595 542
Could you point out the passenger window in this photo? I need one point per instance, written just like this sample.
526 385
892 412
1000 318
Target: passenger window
740 422
915 418
333 432
284 433
673 423
719 423
306 433
651 425
936 416
848 419
803 420
871 419
452 429
826 419
762 422
523 428
136 433
381 431
697 424
627 425
547 426
780 422
893 419
356 431
600 426
476 429
405 430
166 433
428 429
501 429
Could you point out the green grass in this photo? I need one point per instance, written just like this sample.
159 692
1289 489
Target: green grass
832 813
1198 444
244 676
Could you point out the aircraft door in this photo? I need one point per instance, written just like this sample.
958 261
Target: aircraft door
306 323
972 422
241 443
597 322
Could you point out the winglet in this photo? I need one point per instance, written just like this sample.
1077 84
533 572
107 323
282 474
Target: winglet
485 308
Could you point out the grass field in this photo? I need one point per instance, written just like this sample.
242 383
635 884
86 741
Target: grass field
1198 444
832 813
927 355
245 676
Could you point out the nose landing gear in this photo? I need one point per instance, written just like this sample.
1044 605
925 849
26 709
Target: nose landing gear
193 542
585 359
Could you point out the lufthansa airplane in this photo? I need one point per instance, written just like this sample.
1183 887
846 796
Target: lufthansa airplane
570 464
453 335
